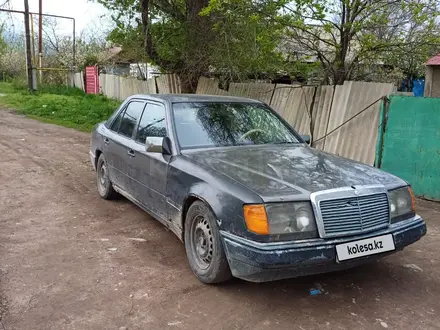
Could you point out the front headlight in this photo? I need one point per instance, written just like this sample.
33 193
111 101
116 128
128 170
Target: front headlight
401 204
295 219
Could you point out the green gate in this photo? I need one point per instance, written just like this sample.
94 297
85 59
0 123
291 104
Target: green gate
409 142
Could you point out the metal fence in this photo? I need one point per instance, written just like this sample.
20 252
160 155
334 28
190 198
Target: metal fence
120 88
410 145
319 110
324 112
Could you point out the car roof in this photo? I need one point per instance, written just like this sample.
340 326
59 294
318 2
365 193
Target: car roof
179 98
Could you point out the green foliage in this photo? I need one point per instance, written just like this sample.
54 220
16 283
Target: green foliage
238 39
351 36
3 44
198 37
60 105
248 36
89 60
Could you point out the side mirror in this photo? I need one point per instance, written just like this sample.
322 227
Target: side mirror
161 145
306 138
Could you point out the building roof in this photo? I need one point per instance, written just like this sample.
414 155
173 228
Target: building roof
177 98
115 55
434 60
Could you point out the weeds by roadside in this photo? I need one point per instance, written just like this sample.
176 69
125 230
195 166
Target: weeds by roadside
60 105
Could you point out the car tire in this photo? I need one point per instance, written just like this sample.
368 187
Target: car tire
203 245
105 186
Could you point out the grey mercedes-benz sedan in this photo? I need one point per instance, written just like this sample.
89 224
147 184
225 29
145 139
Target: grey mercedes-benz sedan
245 193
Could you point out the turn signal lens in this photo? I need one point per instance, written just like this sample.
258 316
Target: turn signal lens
256 219
413 199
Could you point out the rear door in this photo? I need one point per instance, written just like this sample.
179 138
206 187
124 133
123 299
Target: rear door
119 142
150 169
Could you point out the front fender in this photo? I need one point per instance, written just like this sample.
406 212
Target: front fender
187 182
227 208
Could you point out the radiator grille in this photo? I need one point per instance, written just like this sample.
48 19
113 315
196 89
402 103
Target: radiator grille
354 214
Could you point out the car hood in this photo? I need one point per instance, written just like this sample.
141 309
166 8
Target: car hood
290 172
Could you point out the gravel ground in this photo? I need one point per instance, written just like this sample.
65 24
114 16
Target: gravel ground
70 260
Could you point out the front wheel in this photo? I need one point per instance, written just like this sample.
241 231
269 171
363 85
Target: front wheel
105 187
204 249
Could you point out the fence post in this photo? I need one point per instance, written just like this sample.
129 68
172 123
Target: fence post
384 107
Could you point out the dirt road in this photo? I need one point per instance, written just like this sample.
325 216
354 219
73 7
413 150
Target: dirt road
70 260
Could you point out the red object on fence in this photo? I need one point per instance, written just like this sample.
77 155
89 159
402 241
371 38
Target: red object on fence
92 80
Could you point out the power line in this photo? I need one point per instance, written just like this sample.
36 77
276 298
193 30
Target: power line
48 15
349 119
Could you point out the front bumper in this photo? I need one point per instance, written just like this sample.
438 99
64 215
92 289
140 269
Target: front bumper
261 262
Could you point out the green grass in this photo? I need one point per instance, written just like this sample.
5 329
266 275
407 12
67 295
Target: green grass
59 105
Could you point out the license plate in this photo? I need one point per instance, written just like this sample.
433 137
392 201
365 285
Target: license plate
365 247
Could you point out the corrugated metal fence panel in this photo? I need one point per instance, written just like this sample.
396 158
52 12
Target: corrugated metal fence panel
280 97
260 91
209 86
124 88
356 139
116 90
168 84
79 80
238 89
107 82
333 106
116 87
293 104
257 91
321 112
411 143
71 79
304 116
101 84
151 85
120 88
140 87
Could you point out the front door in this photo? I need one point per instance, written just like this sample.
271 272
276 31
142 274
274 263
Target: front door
150 169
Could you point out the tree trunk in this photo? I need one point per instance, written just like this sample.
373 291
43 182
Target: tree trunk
188 84
340 75
340 70
194 54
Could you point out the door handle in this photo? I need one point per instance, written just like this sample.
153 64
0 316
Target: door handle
131 153
106 140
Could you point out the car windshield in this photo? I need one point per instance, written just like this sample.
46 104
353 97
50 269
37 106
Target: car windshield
215 124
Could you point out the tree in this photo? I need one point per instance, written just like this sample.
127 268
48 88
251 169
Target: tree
350 39
58 47
12 53
3 45
346 35
197 37
174 36
247 43
413 39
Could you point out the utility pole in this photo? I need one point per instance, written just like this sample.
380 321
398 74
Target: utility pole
28 47
47 15
40 39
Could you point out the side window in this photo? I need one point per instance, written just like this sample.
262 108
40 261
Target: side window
117 121
152 122
129 120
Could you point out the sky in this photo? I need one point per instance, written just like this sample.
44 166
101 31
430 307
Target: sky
85 12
